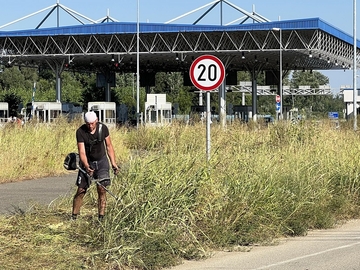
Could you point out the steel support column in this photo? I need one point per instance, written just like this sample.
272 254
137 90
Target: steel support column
107 92
58 82
222 104
254 95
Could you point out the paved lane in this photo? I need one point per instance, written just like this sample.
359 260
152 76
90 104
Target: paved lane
332 249
20 195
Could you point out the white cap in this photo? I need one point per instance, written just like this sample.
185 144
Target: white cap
90 117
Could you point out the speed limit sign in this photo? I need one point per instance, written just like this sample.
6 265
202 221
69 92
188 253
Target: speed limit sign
277 99
207 72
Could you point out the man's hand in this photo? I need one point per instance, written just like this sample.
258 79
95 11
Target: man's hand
89 171
116 169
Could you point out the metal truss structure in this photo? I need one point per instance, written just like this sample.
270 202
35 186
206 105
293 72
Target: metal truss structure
80 18
268 90
308 44
254 16
240 50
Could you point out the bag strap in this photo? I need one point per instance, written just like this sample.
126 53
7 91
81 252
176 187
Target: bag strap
100 133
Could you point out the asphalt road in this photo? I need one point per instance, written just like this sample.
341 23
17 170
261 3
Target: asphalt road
334 249
22 195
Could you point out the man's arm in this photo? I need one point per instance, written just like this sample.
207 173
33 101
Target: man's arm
83 157
111 153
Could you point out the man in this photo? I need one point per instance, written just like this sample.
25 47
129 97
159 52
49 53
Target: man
95 150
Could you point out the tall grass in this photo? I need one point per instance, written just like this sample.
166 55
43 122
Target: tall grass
38 150
259 184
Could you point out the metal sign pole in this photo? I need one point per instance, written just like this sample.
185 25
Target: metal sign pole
208 120
207 73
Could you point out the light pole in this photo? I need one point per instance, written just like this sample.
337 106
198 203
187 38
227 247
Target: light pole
280 73
354 71
137 66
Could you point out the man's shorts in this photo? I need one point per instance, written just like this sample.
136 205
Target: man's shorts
101 174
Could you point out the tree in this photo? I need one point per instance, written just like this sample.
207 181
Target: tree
14 102
16 87
75 84
169 83
172 84
12 78
314 79
318 105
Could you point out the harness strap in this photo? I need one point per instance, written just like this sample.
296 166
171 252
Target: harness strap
100 133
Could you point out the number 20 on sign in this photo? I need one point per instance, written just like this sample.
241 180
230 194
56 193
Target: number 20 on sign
207 72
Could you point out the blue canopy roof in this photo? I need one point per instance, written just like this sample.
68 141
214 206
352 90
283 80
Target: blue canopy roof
131 28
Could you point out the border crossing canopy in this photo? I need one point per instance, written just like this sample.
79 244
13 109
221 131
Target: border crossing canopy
110 46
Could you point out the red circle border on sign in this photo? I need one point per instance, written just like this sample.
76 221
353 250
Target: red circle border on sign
222 73
277 98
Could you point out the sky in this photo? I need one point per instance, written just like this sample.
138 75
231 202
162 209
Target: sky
339 14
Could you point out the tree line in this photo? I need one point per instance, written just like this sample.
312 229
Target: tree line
17 87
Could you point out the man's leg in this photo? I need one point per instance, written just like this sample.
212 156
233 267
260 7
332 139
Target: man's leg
101 201
77 201
102 173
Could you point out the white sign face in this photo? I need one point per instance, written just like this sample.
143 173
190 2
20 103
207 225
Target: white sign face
207 72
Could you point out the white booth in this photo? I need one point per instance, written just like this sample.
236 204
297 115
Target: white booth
348 94
43 111
106 112
157 110
4 112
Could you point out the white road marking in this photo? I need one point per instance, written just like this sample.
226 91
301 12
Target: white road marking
307 256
